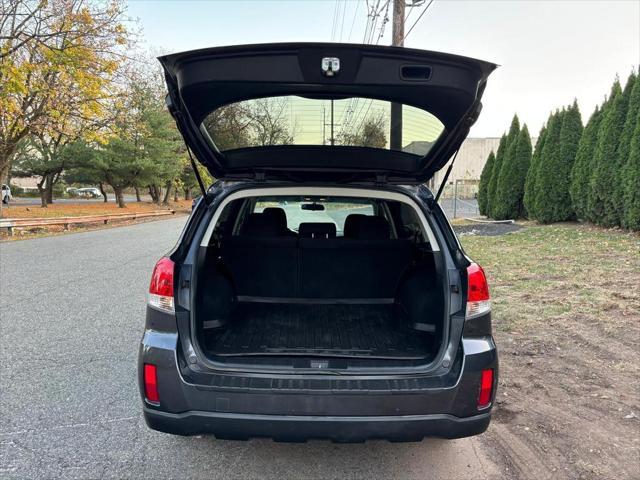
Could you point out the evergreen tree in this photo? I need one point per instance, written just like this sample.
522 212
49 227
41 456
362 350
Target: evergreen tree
510 192
483 187
631 176
603 177
624 144
590 213
493 180
581 171
497 209
569 140
543 210
529 185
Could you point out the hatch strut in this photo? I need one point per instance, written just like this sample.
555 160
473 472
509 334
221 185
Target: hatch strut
197 174
446 176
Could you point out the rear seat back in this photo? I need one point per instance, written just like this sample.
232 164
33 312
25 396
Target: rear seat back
262 261
262 266
317 265
317 230
344 268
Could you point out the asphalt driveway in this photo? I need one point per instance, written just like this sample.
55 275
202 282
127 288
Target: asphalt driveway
71 316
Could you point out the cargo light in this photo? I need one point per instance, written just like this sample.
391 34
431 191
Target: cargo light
478 302
486 388
161 287
151 384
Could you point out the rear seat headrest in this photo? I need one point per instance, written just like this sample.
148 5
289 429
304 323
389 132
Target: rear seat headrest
317 230
365 227
279 216
351 224
260 225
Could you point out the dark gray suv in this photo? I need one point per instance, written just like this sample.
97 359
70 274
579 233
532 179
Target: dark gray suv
318 290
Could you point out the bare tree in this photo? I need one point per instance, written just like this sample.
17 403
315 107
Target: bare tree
370 134
269 121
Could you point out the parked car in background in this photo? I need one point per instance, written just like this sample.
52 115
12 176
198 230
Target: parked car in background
6 194
89 192
318 290
72 191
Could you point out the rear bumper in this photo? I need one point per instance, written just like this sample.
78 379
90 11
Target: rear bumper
344 408
301 428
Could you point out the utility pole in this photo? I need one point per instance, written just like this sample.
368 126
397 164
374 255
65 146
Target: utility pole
398 23
395 133
332 137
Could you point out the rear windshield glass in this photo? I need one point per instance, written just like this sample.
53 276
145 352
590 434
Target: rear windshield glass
293 120
316 209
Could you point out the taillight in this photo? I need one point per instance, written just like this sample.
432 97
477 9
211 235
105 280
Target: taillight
151 383
478 302
486 388
161 287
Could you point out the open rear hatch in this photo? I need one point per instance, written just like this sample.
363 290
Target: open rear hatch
324 111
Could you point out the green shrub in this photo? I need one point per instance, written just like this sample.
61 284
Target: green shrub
603 176
581 171
496 208
631 181
530 182
549 159
483 187
624 145
493 181
510 192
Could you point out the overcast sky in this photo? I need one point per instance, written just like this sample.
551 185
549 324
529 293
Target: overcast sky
550 52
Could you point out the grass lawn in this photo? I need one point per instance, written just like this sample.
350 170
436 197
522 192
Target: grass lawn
88 208
566 313
80 209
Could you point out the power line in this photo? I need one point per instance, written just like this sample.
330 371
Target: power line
334 22
417 20
355 14
414 3
344 10
373 12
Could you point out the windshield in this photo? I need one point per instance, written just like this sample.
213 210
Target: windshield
316 209
294 120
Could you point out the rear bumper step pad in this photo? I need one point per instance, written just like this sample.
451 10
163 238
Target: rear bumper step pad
302 428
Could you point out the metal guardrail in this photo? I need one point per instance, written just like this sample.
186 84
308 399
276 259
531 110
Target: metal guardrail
11 223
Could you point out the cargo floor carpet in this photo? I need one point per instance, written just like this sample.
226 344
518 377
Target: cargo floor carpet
355 331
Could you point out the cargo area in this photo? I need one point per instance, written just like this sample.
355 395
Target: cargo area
354 290
373 332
